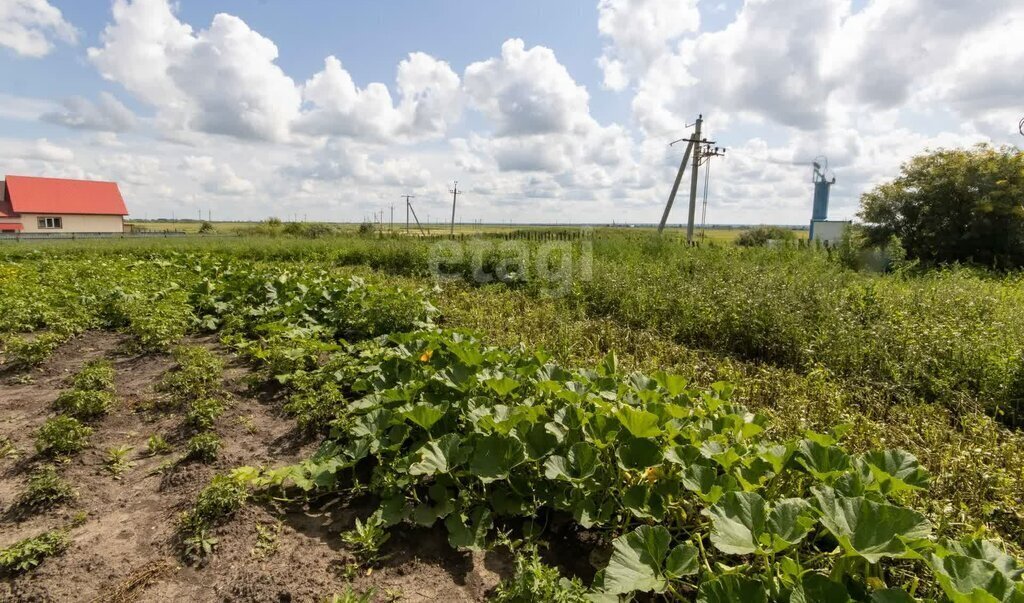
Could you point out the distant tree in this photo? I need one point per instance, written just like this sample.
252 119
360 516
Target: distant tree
273 222
758 237
959 205
206 228
367 228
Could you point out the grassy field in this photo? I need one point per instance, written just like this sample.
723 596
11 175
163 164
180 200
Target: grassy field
754 376
711 233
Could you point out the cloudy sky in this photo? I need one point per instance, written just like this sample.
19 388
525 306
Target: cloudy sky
543 111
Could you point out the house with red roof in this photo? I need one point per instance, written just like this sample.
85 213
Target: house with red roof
58 205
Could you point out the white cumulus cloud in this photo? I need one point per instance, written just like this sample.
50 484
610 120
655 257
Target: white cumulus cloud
29 27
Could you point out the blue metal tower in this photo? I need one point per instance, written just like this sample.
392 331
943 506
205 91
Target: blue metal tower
822 188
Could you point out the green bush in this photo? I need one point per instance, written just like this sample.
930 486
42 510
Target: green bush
224 495
85 405
203 412
197 375
203 447
96 376
30 552
314 409
31 350
62 436
46 489
760 236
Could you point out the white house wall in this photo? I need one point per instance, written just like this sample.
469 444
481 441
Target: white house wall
74 223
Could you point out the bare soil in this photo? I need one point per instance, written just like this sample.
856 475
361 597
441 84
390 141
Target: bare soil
124 549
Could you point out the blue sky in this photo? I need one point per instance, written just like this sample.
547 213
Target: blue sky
545 111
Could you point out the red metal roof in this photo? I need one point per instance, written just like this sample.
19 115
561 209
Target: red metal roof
5 207
29 195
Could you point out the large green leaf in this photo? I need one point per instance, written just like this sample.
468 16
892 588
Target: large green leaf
823 462
987 550
424 415
641 561
741 523
707 483
897 470
469 532
495 456
644 502
502 386
578 465
639 453
968 580
736 522
869 529
640 423
789 522
539 442
732 588
439 456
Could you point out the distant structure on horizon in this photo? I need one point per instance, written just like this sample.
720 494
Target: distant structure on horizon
57 205
827 231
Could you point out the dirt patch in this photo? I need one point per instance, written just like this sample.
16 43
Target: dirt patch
123 546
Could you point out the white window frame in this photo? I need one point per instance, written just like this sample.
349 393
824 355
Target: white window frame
51 223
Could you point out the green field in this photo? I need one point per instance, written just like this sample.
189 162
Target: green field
711 233
718 422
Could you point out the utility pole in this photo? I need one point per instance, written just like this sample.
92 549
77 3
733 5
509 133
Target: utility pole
408 206
699 148
392 228
693 179
455 195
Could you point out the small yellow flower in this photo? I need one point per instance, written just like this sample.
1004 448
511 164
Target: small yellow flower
425 357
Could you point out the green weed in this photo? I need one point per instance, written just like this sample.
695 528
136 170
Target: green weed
266 540
7 448
366 539
224 495
535 581
116 461
156 444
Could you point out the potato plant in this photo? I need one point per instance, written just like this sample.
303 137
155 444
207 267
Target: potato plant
62 436
28 553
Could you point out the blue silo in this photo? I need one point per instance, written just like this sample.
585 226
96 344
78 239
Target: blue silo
822 187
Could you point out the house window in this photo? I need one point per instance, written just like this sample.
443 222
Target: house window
50 223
